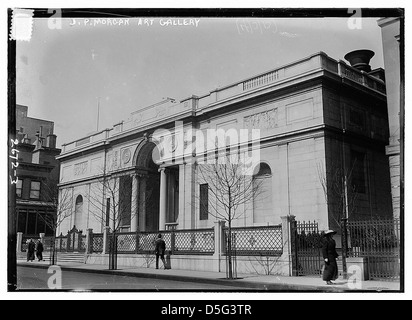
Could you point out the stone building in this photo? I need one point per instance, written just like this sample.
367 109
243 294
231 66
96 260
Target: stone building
323 127
38 173
391 40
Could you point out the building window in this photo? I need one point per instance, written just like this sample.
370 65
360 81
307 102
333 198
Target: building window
34 190
262 201
19 187
204 201
78 211
358 176
125 201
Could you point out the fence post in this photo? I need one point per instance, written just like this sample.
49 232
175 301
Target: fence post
89 241
106 239
19 241
219 243
68 242
79 240
344 229
293 245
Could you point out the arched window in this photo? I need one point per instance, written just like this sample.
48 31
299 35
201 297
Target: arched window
78 210
262 203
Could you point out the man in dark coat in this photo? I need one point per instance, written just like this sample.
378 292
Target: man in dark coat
330 255
31 246
160 251
39 250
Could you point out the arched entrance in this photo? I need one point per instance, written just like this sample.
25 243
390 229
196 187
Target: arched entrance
156 190
148 187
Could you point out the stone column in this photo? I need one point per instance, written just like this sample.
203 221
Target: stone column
19 241
163 198
288 251
134 218
142 202
89 239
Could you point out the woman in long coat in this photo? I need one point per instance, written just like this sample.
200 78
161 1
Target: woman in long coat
39 250
330 255
31 246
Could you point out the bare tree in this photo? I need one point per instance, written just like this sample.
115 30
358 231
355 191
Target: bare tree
60 203
267 263
340 194
231 189
112 203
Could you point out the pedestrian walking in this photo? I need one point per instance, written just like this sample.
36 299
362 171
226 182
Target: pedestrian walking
160 251
31 247
39 250
330 255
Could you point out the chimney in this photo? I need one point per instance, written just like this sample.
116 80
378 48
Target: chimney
359 59
51 141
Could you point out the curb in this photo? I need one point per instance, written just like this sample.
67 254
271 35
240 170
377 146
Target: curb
259 286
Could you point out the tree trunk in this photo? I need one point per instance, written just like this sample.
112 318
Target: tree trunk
53 248
229 250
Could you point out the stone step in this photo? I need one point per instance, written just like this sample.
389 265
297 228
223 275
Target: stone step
61 257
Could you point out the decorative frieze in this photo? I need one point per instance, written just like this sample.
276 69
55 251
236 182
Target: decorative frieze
80 168
263 120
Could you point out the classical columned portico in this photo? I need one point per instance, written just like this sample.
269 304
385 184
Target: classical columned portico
163 199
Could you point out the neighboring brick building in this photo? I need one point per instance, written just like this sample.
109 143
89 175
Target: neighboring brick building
317 117
38 173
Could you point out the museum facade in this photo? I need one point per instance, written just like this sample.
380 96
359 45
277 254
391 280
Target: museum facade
319 153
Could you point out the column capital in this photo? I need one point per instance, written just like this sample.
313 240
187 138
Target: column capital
162 169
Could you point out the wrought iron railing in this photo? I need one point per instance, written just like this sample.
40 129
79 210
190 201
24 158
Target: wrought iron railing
96 245
266 240
307 243
199 241
378 241
374 237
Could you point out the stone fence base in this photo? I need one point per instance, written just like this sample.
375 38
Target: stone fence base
245 264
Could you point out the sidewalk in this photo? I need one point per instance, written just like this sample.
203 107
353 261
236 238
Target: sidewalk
251 281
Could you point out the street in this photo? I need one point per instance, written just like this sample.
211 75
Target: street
29 278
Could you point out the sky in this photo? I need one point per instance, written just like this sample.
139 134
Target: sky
66 70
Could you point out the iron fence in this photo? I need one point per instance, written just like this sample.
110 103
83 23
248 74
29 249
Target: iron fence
377 240
96 243
24 242
48 243
252 241
306 248
199 241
